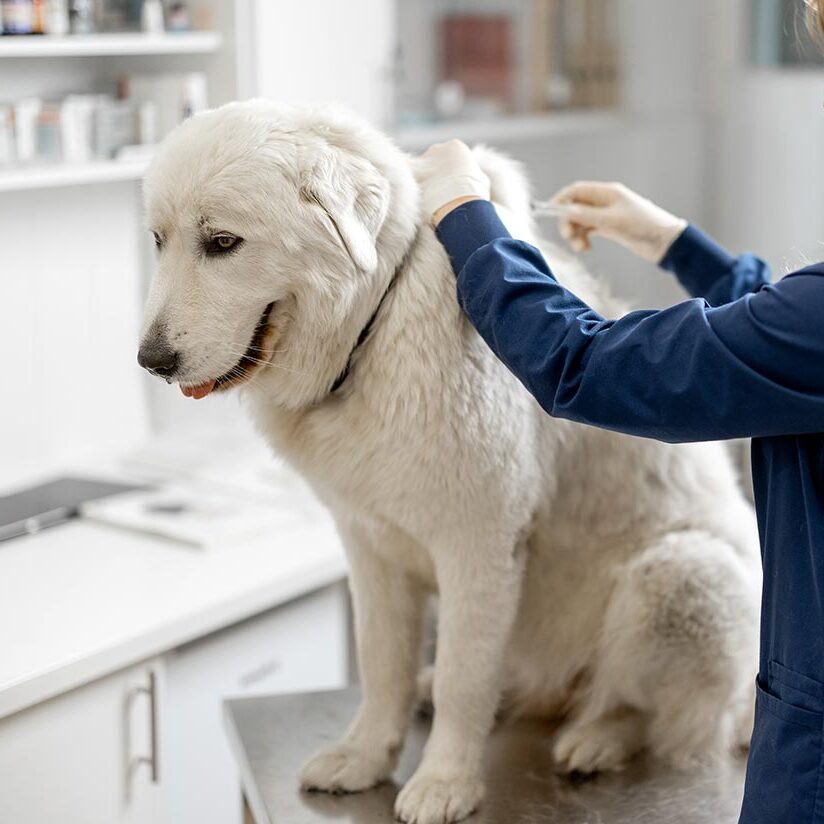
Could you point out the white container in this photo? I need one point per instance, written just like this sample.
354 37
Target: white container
57 18
147 128
77 127
26 113
151 17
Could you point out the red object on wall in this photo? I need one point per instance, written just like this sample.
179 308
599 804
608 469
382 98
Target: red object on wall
476 51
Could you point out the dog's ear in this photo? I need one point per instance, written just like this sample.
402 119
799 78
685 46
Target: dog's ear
355 198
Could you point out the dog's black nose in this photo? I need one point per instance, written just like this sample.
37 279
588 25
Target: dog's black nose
158 357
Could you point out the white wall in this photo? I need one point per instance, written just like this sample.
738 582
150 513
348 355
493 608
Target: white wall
317 51
771 190
765 190
69 315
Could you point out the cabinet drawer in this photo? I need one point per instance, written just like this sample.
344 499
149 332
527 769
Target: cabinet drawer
297 647
300 646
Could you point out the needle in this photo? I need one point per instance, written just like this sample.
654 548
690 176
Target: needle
546 208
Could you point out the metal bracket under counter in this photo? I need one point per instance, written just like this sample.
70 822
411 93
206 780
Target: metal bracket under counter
272 736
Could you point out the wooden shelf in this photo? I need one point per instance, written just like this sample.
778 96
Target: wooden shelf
57 175
103 45
511 128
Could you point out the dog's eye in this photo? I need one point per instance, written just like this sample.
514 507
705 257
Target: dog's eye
222 243
157 239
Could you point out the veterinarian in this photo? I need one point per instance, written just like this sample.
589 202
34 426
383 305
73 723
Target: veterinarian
744 358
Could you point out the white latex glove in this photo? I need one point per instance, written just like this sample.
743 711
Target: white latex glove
449 172
616 212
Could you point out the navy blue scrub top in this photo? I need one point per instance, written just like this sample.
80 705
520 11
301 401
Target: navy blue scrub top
745 358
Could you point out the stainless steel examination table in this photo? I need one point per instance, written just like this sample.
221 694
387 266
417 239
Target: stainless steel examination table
272 736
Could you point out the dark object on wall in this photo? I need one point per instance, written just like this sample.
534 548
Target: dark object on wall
477 52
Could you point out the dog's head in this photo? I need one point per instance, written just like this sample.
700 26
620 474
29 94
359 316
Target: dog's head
277 229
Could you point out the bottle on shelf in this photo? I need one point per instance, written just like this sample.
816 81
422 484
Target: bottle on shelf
17 16
179 17
151 18
26 113
81 16
57 17
38 13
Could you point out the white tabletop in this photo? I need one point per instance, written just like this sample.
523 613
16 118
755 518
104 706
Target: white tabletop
82 600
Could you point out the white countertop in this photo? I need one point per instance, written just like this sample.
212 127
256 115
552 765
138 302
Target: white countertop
82 600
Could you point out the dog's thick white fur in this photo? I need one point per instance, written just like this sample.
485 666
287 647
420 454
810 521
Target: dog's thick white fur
607 581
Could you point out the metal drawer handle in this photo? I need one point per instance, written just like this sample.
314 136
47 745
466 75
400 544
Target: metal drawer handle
151 759
260 673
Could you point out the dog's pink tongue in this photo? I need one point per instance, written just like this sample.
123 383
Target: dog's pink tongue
199 391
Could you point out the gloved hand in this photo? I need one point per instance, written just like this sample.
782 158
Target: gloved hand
616 212
449 175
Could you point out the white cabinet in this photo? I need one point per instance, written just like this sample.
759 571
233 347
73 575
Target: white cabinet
298 647
77 759
86 757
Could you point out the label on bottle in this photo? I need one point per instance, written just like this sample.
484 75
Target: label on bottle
18 17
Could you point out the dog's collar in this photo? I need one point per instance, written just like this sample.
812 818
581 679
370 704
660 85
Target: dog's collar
367 330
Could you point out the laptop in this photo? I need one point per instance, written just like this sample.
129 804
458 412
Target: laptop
38 507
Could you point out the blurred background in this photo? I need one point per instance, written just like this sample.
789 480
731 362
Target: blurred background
713 108
710 108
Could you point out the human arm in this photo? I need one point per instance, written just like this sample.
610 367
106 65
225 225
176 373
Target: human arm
702 266
687 373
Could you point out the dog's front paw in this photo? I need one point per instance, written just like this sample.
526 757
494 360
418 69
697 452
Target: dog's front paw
438 799
345 769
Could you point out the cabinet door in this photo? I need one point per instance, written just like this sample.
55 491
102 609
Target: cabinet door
79 758
298 647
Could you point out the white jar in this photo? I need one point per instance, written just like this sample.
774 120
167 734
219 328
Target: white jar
57 18
151 18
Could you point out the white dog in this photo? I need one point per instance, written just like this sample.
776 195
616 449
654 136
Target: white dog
607 581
